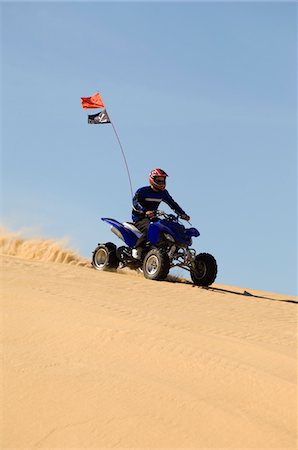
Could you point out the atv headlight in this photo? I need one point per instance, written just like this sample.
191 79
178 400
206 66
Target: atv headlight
169 237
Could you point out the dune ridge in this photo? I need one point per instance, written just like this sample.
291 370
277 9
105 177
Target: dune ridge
38 249
97 360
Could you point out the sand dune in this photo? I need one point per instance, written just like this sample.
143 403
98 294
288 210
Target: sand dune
102 360
13 244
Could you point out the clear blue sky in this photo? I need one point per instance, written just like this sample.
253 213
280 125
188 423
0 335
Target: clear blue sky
206 91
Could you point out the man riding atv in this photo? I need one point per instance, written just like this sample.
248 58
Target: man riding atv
156 241
146 201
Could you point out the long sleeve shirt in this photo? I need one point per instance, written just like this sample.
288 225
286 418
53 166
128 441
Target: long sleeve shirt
146 199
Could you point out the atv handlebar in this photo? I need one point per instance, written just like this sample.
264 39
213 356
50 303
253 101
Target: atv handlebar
169 217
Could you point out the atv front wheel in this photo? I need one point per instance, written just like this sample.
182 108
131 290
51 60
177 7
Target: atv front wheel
104 257
156 265
204 270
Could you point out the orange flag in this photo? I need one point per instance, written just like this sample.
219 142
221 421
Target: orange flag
92 102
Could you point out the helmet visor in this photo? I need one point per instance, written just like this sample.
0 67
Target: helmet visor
160 180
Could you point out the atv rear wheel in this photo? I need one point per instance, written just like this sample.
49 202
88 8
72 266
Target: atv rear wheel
104 257
156 265
204 270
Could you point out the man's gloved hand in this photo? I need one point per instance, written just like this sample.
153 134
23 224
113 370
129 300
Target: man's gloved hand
185 217
151 214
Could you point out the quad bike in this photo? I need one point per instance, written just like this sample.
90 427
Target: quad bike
168 245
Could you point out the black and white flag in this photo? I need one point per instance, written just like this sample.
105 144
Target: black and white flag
101 117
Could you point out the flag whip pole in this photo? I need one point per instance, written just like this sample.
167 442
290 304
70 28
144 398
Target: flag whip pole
95 101
123 154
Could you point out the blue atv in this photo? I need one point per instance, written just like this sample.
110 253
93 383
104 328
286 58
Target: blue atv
168 245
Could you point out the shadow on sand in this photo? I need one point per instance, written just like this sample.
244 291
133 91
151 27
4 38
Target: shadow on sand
171 279
248 294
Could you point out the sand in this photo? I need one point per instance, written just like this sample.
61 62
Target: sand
110 360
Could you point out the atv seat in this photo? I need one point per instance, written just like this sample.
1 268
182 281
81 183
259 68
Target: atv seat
132 227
